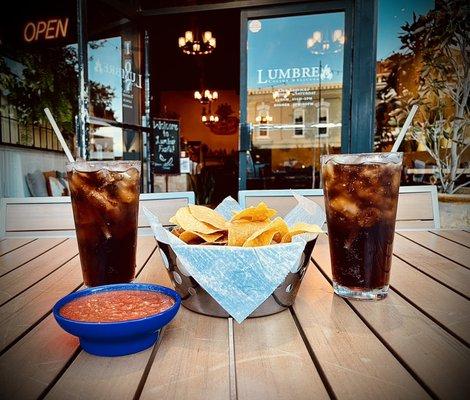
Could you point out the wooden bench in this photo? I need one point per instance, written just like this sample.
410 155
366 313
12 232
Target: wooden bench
417 205
52 216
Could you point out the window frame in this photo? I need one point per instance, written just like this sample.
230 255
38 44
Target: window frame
359 64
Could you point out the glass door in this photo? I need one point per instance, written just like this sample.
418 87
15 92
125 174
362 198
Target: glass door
292 85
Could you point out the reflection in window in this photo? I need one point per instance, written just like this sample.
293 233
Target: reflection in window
322 117
116 82
293 62
113 143
33 78
299 117
263 120
422 56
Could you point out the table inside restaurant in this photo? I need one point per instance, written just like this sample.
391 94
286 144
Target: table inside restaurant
414 344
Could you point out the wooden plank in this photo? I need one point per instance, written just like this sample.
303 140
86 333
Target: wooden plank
163 208
414 210
355 362
38 216
445 306
108 377
461 237
57 216
28 274
415 206
451 250
192 361
19 314
26 253
8 245
414 224
28 367
267 347
440 268
282 204
437 358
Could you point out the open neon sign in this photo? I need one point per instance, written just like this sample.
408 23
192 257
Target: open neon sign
50 29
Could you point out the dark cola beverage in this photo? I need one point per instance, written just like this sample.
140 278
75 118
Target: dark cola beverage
361 196
105 202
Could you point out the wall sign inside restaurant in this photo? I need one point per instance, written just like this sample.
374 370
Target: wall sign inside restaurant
166 157
47 29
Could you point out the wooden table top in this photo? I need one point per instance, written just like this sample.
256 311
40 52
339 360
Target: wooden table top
414 344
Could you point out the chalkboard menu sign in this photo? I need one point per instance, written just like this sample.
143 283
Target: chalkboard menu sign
166 157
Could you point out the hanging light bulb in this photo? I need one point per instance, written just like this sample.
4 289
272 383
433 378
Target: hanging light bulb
207 36
181 41
188 35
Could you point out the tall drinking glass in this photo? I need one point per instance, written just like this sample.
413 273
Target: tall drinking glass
105 202
361 196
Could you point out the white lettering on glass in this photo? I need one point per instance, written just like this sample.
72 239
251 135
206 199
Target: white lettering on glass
295 74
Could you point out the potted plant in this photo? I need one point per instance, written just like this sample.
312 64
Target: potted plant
439 43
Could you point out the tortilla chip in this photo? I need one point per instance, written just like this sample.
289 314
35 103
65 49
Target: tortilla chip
177 231
259 213
208 216
265 235
298 229
195 237
189 222
239 231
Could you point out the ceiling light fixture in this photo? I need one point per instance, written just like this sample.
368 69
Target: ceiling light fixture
206 96
191 45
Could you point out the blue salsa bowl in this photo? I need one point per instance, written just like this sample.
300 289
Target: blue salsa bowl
117 338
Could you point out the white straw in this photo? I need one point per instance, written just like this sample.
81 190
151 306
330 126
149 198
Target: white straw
59 135
405 127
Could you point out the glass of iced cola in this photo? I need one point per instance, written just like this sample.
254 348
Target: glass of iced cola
361 195
105 203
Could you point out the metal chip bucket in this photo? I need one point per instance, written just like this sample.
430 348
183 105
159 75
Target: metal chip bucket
195 298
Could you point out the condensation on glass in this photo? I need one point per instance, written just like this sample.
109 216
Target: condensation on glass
294 97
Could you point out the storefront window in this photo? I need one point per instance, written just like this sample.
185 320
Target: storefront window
422 59
38 69
116 84
295 80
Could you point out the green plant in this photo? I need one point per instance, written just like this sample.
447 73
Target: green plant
33 79
41 78
440 41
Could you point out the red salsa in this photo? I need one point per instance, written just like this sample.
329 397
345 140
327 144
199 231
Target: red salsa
117 305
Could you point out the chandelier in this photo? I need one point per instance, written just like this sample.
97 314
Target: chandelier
205 96
209 119
189 45
321 43
264 119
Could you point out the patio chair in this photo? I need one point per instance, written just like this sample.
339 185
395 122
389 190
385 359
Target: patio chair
417 205
52 216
